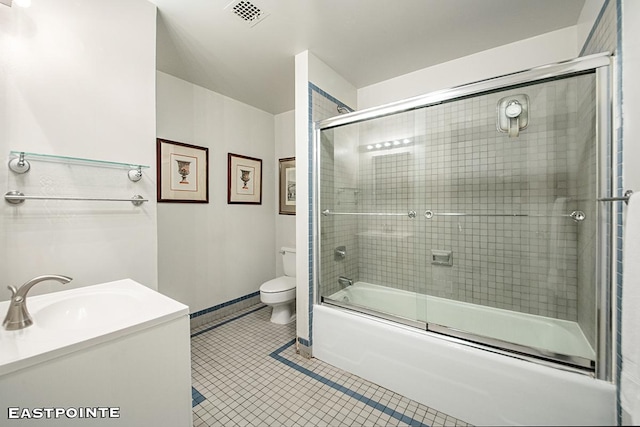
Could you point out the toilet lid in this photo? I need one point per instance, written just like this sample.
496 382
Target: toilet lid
279 284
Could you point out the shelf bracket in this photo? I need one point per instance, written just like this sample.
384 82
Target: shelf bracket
19 164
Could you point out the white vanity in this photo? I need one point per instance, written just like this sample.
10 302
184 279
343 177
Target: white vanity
114 354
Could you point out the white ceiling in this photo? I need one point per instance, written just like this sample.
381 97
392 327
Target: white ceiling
365 41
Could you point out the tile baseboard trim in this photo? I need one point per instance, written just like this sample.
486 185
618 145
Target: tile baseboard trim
219 311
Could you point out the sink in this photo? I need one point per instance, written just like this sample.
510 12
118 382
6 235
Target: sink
67 321
96 348
84 311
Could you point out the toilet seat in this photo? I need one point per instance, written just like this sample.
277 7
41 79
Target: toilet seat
279 284
281 290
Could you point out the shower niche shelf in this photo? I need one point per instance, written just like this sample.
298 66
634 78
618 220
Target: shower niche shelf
19 163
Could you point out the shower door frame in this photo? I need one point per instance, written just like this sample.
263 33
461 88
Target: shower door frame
600 64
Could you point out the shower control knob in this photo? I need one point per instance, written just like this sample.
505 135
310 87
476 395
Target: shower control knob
577 216
513 109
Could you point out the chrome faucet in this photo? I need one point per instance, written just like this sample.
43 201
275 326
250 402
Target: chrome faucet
18 316
345 281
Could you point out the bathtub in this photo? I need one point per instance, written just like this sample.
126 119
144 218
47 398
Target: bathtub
544 335
473 384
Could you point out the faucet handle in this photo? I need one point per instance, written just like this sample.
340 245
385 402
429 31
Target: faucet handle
18 316
13 290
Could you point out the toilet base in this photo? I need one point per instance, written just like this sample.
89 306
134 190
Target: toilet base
283 313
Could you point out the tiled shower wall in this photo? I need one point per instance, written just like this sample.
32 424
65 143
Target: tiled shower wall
338 192
601 39
455 161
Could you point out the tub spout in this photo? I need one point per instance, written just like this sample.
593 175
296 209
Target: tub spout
18 316
345 281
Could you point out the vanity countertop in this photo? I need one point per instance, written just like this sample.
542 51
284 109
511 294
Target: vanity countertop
74 319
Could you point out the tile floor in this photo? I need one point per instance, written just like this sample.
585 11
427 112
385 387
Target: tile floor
246 373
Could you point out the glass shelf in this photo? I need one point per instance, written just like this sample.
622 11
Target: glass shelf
75 160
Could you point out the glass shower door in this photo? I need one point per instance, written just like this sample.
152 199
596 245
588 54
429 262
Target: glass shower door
510 219
368 218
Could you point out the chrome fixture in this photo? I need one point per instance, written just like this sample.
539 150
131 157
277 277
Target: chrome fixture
18 316
343 110
513 114
624 198
16 198
19 164
410 214
575 215
340 253
135 175
345 281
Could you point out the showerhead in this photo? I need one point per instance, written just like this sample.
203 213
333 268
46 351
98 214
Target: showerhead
343 110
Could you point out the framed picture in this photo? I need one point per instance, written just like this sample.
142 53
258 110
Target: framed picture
183 172
244 180
288 186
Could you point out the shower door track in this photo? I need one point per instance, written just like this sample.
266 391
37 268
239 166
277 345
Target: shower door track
560 70
546 357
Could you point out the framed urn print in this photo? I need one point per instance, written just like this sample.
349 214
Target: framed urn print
183 172
244 180
288 186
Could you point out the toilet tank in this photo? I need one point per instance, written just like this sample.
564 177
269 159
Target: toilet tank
289 261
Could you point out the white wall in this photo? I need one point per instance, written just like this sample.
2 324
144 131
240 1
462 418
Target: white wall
76 79
309 69
285 147
540 50
212 253
587 18
323 76
301 114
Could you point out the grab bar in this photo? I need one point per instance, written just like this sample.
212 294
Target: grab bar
577 216
410 214
16 197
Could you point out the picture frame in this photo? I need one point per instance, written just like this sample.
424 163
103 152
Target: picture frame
287 186
244 180
182 172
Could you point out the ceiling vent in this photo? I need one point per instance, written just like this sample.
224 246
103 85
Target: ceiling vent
247 11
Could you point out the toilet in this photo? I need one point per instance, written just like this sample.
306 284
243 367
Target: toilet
280 293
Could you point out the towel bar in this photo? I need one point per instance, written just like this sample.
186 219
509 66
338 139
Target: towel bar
624 198
16 197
